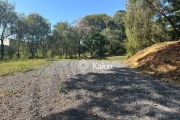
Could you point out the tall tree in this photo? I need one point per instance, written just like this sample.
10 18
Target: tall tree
52 45
97 21
81 30
74 40
115 34
44 31
20 32
61 33
168 9
95 43
37 28
140 26
8 19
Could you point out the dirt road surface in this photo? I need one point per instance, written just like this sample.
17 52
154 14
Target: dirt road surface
61 91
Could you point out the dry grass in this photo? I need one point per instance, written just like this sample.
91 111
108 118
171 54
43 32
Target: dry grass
10 67
116 58
161 60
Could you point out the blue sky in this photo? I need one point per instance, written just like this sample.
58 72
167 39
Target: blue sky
68 10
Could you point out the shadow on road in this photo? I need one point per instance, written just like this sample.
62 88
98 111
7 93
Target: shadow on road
122 94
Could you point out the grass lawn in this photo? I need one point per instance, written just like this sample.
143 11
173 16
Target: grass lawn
9 67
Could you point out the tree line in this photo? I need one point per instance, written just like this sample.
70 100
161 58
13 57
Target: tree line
96 35
31 30
145 22
151 21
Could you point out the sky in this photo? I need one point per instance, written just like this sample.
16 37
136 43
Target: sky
67 10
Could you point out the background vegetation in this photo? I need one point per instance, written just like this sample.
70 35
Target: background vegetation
144 23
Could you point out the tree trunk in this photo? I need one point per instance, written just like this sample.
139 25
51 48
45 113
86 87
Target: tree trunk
52 54
101 48
66 53
32 54
44 52
2 49
60 54
63 52
75 54
91 53
172 24
18 54
79 50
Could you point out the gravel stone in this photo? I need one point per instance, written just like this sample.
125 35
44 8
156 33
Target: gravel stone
61 91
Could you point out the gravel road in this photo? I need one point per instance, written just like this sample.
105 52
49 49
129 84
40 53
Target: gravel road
61 91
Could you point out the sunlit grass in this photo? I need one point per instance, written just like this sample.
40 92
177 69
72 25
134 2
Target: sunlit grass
110 58
116 58
10 67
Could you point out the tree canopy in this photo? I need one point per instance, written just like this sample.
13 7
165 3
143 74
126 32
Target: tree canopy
142 24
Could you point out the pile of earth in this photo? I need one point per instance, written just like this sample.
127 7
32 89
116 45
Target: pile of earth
161 60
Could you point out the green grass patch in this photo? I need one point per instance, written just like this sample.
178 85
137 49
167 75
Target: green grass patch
110 58
116 58
10 67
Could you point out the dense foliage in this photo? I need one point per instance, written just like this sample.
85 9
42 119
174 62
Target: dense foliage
151 21
145 22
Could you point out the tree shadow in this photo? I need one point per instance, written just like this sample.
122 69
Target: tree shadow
121 94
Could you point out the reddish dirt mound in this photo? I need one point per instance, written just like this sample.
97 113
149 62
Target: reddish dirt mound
161 60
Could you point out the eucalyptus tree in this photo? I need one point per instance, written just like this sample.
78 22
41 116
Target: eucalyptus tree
170 11
62 32
51 45
37 28
44 31
95 43
114 34
82 29
111 29
97 21
20 31
140 26
8 19
56 42
74 40
151 21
